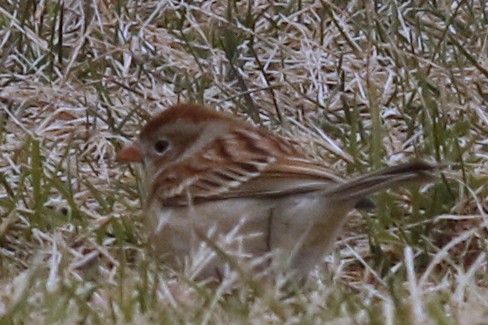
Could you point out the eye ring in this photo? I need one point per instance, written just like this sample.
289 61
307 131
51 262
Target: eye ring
160 146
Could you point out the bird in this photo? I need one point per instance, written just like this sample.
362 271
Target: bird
243 194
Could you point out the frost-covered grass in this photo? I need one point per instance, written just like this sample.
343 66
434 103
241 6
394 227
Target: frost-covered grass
361 84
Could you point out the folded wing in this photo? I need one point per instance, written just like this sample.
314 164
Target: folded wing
243 163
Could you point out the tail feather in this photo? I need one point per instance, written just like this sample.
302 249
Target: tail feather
415 172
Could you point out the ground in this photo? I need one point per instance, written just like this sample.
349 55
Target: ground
360 85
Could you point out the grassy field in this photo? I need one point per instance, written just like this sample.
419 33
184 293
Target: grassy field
361 84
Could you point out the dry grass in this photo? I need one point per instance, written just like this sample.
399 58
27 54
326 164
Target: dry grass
362 84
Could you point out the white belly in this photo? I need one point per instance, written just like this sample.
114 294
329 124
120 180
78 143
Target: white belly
294 231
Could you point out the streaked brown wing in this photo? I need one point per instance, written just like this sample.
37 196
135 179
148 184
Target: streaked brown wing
285 177
229 167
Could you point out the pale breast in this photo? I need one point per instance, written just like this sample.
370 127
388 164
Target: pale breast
300 229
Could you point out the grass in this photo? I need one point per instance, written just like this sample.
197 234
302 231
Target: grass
362 84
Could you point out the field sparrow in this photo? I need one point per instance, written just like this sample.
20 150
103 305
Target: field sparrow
212 178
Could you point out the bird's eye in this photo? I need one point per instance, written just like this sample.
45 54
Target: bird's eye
161 146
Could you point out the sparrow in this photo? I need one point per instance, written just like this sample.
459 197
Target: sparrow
222 192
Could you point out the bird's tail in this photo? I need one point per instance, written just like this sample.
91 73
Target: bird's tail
415 172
